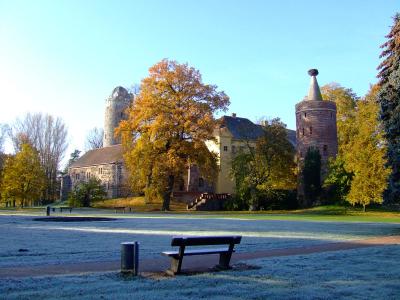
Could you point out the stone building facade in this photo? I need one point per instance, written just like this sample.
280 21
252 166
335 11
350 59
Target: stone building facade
315 127
104 163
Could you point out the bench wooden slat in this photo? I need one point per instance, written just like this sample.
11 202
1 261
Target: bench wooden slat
197 252
204 240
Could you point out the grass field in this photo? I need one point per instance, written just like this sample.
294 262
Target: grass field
320 213
332 213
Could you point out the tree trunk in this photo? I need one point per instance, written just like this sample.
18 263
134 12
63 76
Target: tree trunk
168 192
148 186
253 199
364 208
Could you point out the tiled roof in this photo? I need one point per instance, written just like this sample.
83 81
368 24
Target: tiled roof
106 155
242 129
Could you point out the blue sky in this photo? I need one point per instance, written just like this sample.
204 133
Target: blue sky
65 57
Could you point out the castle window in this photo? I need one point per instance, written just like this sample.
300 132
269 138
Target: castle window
310 130
122 114
225 148
303 131
201 182
305 115
325 149
100 170
233 149
77 176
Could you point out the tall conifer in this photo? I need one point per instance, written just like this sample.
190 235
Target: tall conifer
389 100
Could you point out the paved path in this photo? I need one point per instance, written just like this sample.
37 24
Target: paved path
191 263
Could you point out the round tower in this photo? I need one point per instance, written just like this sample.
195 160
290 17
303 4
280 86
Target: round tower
316 126
116 104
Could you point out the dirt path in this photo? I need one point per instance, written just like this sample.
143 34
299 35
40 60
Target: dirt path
191 263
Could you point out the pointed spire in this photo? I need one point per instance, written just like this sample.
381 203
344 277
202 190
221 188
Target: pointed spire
314 93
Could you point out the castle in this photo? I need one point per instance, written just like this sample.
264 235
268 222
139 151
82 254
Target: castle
315 126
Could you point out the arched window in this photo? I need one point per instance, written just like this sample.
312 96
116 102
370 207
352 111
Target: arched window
303 131
310 130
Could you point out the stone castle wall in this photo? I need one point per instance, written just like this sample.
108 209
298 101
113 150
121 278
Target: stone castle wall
112 177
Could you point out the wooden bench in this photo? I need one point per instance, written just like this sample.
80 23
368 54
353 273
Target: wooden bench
182 242
122 208
66 208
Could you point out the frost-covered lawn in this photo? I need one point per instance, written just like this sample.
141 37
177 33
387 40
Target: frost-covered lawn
370 273
54 243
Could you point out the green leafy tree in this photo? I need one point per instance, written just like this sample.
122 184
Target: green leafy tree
167 127
389 100
338 181
311 176
85 193
266 166
24 178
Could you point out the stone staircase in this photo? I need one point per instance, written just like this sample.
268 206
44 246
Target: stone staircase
209 201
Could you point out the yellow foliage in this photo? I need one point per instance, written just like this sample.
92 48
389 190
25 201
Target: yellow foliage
167 127
23 177
365 155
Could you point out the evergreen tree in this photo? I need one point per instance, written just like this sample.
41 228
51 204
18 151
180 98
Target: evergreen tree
311 176
74 156
389 100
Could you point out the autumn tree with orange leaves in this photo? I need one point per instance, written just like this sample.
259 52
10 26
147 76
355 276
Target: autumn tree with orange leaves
167 127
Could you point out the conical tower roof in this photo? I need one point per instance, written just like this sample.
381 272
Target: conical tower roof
314 92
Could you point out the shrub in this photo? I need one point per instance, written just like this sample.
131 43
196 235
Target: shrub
85 193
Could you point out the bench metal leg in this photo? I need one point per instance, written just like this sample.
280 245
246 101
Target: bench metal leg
176 262
176 265
225 258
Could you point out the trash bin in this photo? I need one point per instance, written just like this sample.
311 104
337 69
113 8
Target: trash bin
130 258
